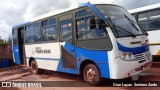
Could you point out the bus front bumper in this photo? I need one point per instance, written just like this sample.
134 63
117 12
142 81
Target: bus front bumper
124 69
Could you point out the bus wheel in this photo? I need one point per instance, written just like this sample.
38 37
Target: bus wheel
91 74
34 67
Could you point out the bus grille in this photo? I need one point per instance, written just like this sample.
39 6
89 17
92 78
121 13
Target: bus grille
143 56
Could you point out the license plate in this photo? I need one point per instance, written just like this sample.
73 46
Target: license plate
146 65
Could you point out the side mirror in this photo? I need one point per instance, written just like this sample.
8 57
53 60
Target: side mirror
102 23
92 23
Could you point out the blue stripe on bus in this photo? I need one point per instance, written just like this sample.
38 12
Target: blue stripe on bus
44 58
135 50
60 67
16 54
96 56
100 58
21 24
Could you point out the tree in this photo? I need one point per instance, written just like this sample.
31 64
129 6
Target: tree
2 42
9 41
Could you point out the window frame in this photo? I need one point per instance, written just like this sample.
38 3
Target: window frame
85 16
55 25
78 40
141 14
33 29
74 28
153 11
62 17
13 32
148 11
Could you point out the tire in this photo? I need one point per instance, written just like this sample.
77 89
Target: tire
91 75
34 67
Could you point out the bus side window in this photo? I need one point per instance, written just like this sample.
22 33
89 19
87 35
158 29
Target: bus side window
15 38
143 20
49 29
66 30
150 20
33 33
83 27
154 23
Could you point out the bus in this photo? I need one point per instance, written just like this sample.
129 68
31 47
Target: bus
93 40
148 18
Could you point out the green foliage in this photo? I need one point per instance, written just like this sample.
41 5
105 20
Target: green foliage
3 42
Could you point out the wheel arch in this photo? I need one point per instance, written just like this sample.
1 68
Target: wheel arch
30 60
86 62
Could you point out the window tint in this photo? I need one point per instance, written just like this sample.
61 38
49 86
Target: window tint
84 13
151 23
155 14
49 29
48 22
143 17
15 38
45 23
134 15
33 34
35 25
52 21
66 30
92 39
83 30
85 33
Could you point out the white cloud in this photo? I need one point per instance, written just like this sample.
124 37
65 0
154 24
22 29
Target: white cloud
14 12
17 11
92 1
4 30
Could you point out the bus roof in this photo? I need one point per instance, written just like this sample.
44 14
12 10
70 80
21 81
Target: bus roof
65 10
145 8
20 24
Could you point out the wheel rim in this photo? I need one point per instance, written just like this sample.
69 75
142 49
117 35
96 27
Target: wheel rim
91 75
33 67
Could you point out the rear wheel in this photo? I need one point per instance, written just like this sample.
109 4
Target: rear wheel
34 67
91 74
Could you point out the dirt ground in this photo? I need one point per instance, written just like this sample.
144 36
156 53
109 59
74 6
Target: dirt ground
69 81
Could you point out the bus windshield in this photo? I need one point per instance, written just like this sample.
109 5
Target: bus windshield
120 21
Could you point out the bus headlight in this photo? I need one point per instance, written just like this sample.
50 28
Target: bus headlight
127 56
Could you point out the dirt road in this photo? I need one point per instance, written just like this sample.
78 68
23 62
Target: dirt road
23 73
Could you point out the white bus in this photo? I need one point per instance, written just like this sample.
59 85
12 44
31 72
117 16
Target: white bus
97 41
148 18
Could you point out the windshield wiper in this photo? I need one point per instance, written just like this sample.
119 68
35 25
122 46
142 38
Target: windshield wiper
120 28
131 21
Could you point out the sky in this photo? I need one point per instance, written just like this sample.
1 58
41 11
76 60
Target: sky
13 12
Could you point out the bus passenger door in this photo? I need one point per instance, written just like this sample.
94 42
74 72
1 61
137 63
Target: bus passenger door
18 46
15 47
21 45
67 44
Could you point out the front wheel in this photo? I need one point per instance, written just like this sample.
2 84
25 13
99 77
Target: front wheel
91 74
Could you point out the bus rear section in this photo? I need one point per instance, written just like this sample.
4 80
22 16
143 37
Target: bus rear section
90 40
